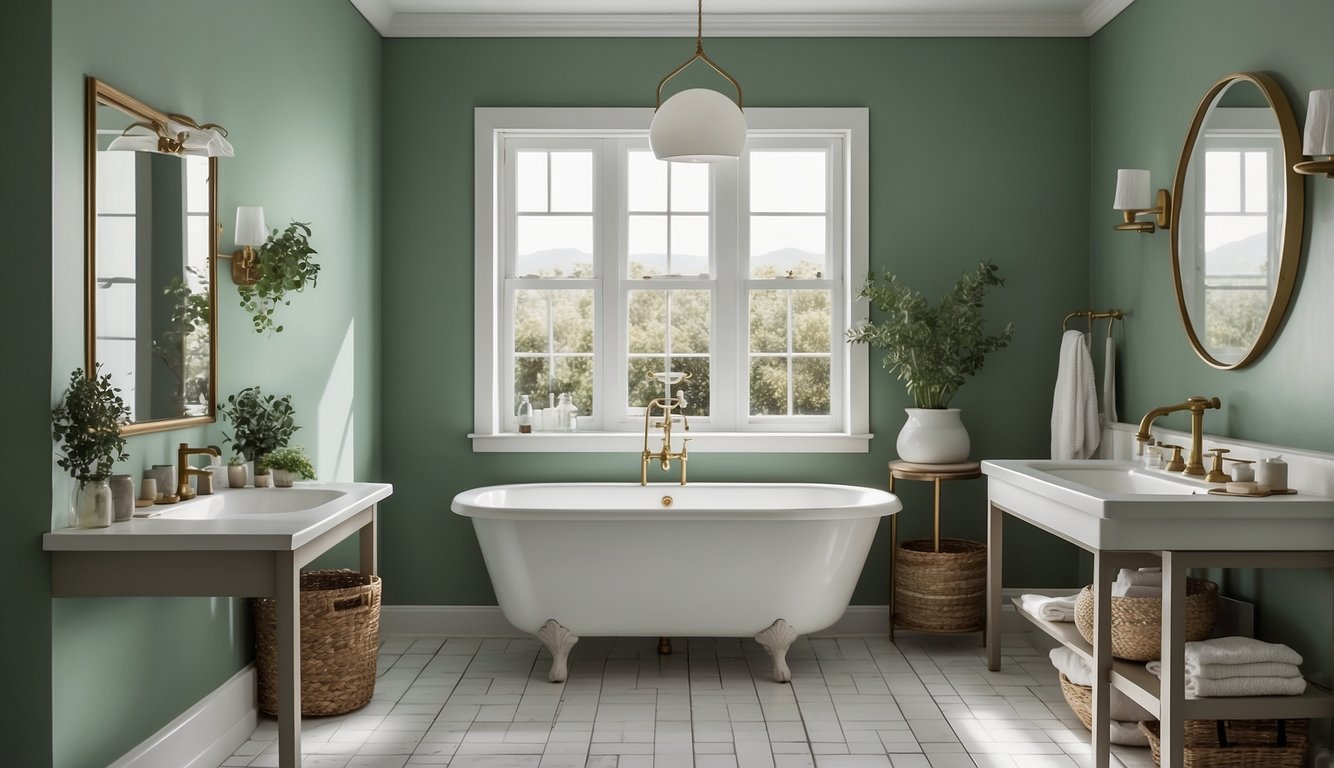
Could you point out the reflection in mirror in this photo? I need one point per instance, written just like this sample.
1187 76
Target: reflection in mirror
150 270
1238 214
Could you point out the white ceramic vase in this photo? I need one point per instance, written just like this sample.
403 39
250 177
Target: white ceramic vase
92 504
933 436
281 478
237 475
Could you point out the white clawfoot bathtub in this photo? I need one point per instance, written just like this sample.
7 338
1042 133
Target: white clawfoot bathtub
707 559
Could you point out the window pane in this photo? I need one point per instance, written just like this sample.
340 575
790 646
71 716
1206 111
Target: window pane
554 246
643 389
810 321
782 243
530 181
647 322
787 182
768 386
196 236
690 321
1236 245
810 386
572 181
115 182
768 321
575 375
531 378
196 184
1233 320
530 322
115 246
647 246
1222 182
572 321
690 245
690 187
116 310
647 188
696 387
1257 182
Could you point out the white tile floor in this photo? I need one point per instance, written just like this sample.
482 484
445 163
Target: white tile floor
926 701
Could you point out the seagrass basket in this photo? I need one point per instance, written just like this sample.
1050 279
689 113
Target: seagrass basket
340 638
1080 699
1238 743
941 591
1137 621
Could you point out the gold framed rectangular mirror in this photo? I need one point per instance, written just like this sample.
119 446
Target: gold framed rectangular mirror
150 235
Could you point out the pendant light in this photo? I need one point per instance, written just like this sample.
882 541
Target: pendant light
698 125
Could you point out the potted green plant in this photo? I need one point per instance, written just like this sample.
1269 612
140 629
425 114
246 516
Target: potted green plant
87 423
260 423
284 265
236 472
287 464
933 350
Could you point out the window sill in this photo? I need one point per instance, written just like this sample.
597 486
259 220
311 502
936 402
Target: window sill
700 442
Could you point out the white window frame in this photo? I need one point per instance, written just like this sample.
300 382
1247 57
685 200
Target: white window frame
849 383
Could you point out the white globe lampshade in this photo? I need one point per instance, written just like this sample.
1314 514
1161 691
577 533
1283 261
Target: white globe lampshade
698 125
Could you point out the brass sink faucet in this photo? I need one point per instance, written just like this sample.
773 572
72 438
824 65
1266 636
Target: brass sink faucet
184 470
666 407
1197 405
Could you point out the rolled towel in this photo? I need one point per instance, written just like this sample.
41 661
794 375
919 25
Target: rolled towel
1129 577
1127 733
1077 671
1238 650
1224 671
1203 687
1155 592
1050 608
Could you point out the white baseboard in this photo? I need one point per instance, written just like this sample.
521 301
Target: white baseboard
205 734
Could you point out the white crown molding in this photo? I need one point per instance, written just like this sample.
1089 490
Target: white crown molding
393 24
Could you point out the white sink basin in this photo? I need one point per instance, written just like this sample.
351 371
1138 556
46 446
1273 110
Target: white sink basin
243 502
1119 478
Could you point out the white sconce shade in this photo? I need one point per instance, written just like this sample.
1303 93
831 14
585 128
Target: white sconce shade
1319 138
250 227
698 125
1132 190
136 138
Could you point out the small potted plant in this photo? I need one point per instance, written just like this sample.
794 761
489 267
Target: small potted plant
261 424
934 350
87 422
287 464
284 264
236 472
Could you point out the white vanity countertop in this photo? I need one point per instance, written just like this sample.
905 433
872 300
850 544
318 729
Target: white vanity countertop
246 524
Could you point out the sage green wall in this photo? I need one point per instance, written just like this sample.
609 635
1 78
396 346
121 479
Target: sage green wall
25 294
297 84
1150 67
979 149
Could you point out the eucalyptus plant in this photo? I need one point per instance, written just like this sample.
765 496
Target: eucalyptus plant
933 349
260 423
285 265
87 421
290 459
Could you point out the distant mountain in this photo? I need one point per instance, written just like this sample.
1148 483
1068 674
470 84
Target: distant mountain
565 261
1247 256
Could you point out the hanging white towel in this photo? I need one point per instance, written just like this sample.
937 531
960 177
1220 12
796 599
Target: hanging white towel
1075 432
1109 384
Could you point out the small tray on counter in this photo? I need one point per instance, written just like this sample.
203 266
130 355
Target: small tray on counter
1225 492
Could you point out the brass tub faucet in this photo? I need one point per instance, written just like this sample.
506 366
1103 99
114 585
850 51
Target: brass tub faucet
1197 405
668 410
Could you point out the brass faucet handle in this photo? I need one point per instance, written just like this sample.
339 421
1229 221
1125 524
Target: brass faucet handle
1176 463
1216 473
1200 402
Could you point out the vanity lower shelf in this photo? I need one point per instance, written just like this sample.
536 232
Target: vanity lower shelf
1132 679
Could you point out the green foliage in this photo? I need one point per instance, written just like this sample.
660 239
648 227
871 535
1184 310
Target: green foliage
290 459
184 348
87 421
261 424
933 350
285 264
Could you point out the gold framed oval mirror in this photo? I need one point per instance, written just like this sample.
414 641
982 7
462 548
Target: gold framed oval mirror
150 235
1237 209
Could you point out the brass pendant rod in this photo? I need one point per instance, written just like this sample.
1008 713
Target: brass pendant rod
701 55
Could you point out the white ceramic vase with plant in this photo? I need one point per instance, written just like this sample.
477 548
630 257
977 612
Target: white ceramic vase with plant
260 424
87 425
933 350
287 464
237 476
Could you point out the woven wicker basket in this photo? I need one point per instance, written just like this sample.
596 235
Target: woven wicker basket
1137 621
1080 699
941 591
1238 743
340 638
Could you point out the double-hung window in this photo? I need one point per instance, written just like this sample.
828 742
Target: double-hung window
599 266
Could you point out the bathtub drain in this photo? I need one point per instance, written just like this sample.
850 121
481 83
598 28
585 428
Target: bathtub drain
666 501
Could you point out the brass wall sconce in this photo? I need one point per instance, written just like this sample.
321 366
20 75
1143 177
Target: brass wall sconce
251 232
1319 137
177 135
1132 199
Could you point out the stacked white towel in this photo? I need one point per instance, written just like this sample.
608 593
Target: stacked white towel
1124 712
1050 608
1074 409
1145 582
1239 666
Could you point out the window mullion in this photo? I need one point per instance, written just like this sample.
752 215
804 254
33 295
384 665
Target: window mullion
611 361
728 316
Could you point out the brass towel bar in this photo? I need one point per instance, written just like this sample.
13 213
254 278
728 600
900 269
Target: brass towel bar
1089 315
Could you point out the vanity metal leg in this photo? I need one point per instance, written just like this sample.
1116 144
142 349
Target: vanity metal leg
1172 688
893 555
995 548
1104 573
368 537
287 594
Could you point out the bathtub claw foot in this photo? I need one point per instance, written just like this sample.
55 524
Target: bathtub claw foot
664 646
776 640
558 640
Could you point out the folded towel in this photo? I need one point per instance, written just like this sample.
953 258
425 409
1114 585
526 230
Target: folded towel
1109 383
1223 671
1127 734
1048 608
1239 650
1078 671
1156 592
1074 411
1203 687
1144 577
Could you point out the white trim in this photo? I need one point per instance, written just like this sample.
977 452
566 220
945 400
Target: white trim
1077 24
219 723
701 442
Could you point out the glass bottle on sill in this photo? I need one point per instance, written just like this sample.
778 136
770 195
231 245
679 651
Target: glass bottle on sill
565 413
525 415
